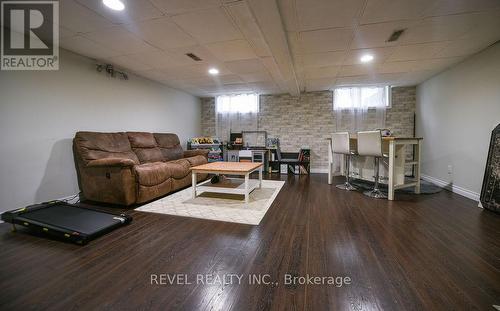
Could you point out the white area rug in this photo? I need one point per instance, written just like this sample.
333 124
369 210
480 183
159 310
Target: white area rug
217 206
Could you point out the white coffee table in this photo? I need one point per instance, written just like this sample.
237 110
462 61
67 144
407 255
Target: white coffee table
228 185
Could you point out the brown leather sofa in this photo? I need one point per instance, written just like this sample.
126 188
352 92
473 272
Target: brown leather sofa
133 167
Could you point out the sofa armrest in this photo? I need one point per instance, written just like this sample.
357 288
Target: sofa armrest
192 153
116 162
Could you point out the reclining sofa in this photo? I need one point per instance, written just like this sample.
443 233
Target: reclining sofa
133 167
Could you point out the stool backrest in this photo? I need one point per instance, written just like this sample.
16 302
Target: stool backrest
340 142
370 143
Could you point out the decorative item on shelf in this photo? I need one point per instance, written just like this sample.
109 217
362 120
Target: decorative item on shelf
385 132
214 146
235 141
304 154
273 142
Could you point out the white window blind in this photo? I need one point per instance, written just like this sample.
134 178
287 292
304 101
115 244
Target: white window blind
241 103
361 97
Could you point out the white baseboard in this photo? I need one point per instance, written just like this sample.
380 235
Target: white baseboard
453 188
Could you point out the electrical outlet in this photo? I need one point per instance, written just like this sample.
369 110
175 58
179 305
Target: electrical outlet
450 169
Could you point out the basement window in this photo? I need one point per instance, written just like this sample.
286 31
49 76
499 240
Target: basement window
240 103
362 97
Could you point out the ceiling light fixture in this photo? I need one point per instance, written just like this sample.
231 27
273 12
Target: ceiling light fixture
213 71
116 5
366 58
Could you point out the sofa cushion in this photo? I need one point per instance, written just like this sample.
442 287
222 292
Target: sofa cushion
144 146
151 174
169 145
197 160
94 146
179 168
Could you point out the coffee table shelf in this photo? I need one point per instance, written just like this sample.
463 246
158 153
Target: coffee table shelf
228 185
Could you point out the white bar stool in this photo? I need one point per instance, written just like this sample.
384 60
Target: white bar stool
341 145
370 144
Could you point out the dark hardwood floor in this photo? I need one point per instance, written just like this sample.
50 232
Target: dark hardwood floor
427 252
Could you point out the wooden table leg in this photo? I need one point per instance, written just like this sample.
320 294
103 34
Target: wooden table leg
419 164
260 177
330 162
193 182
392 162
247 187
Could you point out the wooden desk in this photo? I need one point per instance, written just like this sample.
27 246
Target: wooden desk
394 173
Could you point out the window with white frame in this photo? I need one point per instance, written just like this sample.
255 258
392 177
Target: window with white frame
361 97
240 103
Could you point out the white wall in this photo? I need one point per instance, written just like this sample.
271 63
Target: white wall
456 112
41 111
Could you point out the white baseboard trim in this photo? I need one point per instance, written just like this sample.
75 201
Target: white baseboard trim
453 188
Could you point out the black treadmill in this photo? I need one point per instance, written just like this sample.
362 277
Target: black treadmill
67 221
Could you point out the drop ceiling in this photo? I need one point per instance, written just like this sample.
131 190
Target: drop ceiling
279 46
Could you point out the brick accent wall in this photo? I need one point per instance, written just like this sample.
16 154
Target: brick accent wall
309 119
208 116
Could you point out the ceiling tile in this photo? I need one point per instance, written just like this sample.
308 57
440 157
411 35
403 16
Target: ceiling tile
162 33
288 14
416 51
463 47
323 59
376 35
193 71
319 84
379 54
79 18
120 39
396 67
326 40
438 64
202 52
442 28
261 86
256 77
321 72
126 62
244 19
89 48
161 59
245 66
231 50
373 79
229 79
153 74
207 26
377 11
320 14
182 6
135 10
357 70
448 7
202 82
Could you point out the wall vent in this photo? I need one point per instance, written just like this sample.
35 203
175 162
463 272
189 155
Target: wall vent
395 35
194 57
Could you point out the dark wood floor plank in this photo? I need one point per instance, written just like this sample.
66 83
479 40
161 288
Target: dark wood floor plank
428 252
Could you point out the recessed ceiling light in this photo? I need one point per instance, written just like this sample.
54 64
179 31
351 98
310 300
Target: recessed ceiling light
116 5
366 58
213 71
